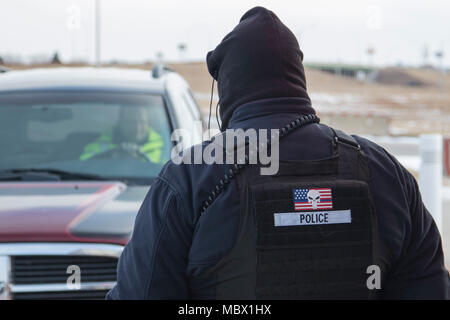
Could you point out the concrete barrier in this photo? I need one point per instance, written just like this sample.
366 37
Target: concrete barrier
430 175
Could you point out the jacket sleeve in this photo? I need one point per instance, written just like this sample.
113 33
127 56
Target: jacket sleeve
420 272
153 263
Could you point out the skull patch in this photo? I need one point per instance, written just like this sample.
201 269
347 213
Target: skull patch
313 197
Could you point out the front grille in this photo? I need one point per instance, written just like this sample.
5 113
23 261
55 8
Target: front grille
62 295
52 270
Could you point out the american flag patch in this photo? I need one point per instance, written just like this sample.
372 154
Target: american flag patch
313 199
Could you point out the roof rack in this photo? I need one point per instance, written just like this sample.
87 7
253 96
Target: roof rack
4 69
159 69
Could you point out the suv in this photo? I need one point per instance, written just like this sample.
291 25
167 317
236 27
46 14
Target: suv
79 149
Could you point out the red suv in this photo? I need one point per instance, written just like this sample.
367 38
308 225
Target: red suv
79 149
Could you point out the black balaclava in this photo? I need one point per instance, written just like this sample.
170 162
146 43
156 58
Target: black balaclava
259 59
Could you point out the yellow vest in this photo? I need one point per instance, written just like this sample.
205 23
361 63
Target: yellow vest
152 148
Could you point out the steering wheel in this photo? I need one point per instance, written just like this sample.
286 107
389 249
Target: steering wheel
123 150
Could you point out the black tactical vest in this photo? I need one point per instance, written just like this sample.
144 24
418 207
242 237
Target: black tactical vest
308 232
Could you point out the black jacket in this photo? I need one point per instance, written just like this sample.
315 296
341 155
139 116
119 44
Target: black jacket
262 85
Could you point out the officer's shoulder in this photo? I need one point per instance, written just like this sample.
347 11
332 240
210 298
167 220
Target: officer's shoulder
368 146
371 148
184 167
379 156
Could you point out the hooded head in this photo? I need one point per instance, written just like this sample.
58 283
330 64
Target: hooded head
259 59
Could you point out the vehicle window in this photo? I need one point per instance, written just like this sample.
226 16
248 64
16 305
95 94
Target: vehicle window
186 119
120 135
42 130
192 105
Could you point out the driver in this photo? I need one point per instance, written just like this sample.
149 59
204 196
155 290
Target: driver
132 133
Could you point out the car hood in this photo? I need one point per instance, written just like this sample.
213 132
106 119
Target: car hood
68 211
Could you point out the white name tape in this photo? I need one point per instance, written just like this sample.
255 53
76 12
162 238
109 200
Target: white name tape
312 218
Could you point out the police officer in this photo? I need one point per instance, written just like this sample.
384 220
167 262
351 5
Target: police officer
340 219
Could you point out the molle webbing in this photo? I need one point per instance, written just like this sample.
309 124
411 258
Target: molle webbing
314 261
326 261
236 168
319 261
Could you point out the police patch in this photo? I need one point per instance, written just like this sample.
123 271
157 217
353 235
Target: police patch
312 218
313 199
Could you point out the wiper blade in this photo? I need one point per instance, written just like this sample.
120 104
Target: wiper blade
39 174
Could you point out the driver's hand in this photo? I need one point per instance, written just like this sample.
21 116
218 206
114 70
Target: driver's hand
130 147
134 149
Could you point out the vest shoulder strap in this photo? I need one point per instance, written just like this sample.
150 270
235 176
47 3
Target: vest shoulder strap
342 137
352 160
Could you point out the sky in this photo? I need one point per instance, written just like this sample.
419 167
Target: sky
399 31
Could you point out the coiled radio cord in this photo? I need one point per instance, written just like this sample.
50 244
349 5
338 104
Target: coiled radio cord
236 168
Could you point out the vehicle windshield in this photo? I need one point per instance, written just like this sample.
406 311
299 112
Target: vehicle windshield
113 135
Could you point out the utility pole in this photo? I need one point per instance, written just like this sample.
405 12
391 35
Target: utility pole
370 53
97 33
425 55
182 47
440 57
